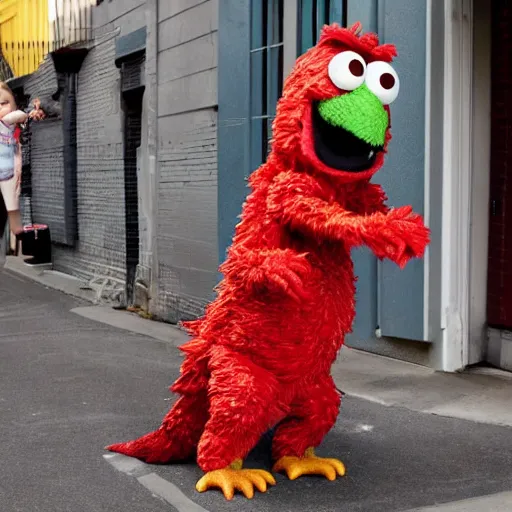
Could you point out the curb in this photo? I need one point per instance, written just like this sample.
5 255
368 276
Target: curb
59 281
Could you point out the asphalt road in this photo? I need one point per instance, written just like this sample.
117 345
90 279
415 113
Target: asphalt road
69 386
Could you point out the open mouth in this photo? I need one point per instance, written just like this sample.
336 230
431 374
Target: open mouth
340 149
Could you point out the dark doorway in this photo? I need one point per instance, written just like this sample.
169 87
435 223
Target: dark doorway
132 101
499 294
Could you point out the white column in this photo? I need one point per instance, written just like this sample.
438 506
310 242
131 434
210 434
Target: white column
456 184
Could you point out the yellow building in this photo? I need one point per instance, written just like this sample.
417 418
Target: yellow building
24 34
30 29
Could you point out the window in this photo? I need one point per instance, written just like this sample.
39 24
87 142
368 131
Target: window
266 82
313 15
266 73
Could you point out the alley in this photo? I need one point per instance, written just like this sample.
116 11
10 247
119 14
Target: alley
69 386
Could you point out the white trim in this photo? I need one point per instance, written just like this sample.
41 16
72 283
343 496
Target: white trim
456 184
426 212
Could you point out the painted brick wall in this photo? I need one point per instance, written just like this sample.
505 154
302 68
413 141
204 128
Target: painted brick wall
100 251
499 302
187 191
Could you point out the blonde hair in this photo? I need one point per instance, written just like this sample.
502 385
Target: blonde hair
4 87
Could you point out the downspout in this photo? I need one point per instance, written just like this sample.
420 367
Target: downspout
70 160
151 93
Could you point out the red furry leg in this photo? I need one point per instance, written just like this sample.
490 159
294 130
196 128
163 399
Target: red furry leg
244 404
178 436
310 419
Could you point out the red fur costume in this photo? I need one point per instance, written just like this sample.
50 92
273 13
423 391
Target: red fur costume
261 355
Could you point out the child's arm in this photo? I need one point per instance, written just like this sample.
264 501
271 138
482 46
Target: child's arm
15 117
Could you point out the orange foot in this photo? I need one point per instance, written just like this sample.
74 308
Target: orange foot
235 478
310 464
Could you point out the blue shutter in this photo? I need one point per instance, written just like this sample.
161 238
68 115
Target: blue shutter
365 263
401 299
389 298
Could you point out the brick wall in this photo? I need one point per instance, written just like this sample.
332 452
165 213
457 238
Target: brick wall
100 251
187 191
499 308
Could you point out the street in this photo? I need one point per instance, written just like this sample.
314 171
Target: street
70 385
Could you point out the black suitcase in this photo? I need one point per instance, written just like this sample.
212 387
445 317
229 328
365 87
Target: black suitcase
36 242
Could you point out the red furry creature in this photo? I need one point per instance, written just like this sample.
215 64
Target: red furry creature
261 356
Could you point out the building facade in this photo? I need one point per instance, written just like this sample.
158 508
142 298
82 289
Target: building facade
173 106
125 173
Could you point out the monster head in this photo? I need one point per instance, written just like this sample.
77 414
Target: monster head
333 116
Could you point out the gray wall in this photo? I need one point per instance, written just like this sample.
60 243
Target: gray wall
123 15
187 131
100 251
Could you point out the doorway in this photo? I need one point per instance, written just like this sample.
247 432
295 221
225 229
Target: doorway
132 101
499 292
499 274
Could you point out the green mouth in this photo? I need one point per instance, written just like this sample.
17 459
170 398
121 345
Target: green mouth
359 112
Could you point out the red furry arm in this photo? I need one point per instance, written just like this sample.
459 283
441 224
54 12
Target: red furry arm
299 201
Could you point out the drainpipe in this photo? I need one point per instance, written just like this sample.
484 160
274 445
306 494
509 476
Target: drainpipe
151 93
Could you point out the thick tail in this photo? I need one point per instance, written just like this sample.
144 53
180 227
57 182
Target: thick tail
182 427
176 439
155 448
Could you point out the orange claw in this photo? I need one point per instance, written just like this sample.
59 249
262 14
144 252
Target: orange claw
310 464
234 478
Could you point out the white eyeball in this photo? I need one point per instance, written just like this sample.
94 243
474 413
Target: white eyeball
383 81
347 70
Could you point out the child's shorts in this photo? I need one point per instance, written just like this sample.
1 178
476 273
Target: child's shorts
8 189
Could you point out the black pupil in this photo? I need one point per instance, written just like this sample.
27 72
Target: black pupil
387 80
356 68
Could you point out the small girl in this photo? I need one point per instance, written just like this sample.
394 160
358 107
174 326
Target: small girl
10 156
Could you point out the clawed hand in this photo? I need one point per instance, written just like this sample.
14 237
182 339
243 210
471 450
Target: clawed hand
288 274
403 237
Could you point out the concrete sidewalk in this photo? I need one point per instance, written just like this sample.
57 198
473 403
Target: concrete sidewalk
477 396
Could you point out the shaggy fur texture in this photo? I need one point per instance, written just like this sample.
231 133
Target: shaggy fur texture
261 355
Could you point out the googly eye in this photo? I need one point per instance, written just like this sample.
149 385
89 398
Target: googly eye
347 70
383 81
